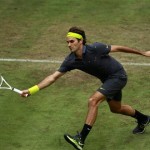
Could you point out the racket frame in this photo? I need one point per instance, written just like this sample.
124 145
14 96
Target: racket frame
9 86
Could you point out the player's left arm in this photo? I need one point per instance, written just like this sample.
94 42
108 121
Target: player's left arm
118 48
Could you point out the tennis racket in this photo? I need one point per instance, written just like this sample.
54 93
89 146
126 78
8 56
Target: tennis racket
4 85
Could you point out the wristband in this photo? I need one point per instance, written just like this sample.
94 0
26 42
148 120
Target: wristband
33 89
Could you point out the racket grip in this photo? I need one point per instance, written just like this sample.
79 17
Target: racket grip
18 91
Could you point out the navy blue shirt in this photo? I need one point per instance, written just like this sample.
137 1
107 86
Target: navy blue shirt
95 61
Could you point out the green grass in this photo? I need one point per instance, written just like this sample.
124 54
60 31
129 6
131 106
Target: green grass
40 121
36 29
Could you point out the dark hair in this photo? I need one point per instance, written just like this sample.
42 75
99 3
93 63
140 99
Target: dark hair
79 31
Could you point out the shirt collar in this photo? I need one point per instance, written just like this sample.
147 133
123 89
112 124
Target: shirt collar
83 52
84 49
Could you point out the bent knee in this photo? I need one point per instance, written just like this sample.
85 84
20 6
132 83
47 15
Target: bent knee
94 102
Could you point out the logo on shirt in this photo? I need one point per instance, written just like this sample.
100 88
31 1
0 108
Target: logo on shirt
102 88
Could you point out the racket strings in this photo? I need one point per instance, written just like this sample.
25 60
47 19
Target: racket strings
4 84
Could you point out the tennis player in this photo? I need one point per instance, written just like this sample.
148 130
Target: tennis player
95 60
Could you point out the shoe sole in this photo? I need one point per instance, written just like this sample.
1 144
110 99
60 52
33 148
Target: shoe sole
70 142
145 125
140 132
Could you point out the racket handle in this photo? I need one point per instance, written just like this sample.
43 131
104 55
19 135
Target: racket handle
18 91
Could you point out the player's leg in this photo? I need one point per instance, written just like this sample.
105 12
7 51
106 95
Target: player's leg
93 104
142 120
78 140
117 107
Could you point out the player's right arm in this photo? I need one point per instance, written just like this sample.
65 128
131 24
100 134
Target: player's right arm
44 83
50 79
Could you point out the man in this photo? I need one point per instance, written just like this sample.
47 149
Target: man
95 60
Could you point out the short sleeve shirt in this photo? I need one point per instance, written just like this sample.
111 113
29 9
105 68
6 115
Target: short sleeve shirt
95 61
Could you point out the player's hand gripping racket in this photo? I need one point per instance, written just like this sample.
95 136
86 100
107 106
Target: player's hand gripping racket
4 85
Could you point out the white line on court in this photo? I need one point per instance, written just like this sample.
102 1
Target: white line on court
59 61
30 60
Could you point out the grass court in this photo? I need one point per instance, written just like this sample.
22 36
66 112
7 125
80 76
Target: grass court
36 29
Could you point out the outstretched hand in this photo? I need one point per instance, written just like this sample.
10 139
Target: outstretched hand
147 53
25 93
